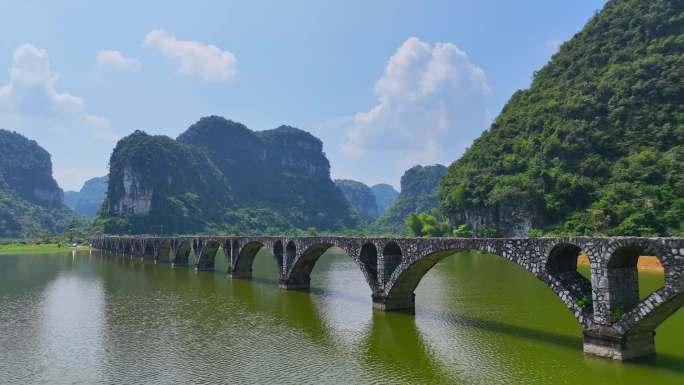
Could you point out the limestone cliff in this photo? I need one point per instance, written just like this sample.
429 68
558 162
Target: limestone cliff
30 199
221 176
157 185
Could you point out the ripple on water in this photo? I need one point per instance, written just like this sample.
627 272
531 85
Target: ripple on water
479 320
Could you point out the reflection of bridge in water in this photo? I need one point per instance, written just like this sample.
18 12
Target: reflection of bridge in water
615 323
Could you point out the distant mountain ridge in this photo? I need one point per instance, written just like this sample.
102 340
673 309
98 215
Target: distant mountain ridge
385 194
89 199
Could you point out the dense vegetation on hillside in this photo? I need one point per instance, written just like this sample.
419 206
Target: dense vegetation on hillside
219 176
30 199
596 144
157 185
418 194
385 194
360 196
281 175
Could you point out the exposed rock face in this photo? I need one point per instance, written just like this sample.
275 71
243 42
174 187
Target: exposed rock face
385 194
418 194
137 196
359 196
30 199
517 218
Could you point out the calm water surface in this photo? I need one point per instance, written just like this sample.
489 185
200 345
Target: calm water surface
87 319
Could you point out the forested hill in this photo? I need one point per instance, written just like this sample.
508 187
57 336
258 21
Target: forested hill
418 194
30 199
596 144
219 176
360 196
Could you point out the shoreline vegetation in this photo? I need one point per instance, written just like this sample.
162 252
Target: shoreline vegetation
19 248
646 263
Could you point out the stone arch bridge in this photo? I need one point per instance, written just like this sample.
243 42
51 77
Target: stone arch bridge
615 322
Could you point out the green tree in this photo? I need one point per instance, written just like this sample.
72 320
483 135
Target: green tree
462 231
424 224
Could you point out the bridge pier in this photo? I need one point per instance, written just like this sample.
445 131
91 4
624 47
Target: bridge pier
240 274
619 347
397 303
301 283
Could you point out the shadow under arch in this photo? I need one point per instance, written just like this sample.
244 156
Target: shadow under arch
298 276
148 251
391 257
278 253
181 254
574 289
164 252
243 260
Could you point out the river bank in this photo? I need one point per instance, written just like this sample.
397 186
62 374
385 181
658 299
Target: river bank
20 248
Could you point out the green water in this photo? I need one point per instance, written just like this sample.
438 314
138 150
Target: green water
91 319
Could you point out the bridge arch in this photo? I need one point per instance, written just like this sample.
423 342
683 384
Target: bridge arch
242 260
181 253
279 253
164 250
368 257
391 258
290 252
399 290
298 274
205 252
623 276
574 289
148 249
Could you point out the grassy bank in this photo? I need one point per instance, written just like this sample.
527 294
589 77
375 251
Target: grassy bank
20 248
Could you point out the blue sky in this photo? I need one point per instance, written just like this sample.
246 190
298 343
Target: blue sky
384 84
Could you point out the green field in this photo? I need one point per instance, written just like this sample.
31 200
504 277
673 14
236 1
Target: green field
20 248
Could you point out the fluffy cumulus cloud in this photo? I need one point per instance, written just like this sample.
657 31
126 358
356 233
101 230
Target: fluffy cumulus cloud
431 105
31 104
206 61
115 60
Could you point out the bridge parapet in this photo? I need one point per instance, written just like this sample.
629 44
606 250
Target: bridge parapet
616 323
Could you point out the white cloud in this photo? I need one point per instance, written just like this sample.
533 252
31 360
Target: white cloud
431 105
115 60
31 104
206 61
